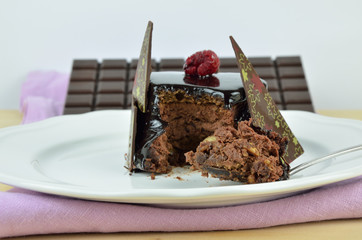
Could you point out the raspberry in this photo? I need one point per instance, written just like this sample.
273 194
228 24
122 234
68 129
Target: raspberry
202 63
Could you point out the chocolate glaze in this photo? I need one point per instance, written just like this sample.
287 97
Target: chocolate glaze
226 86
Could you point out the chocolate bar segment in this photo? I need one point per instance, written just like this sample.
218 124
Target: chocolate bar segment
266 72
291 84
84 75
301 107
291 72
85 64
273 84
81 87
111 87
110 100
76 110
79 100
114 64
276 97
261 61
228 63
171 64
228 69
288 61
297 97
113 75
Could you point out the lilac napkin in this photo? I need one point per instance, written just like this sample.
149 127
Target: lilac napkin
25 212
35 213
43 95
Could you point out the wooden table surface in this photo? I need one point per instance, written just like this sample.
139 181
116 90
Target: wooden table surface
334 229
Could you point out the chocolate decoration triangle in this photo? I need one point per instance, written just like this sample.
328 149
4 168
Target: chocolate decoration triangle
139 92
143 72
262 108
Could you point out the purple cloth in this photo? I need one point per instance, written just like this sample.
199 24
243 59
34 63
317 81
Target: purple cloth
43 95
25 212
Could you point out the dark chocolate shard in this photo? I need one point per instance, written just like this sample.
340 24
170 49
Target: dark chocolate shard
132 138
262 107
143 72
139 92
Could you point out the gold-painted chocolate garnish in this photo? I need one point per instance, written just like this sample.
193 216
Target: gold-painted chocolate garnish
143 72
263 110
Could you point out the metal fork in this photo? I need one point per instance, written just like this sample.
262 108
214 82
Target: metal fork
305 165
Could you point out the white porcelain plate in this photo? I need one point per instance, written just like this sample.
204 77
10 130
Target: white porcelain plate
82 156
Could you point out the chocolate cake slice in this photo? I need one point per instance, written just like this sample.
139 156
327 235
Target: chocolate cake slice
182 111
246 154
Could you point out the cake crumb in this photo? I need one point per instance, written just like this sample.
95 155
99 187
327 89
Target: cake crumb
153 177
179 178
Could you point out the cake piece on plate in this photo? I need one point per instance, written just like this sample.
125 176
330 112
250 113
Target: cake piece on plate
220 123
246 154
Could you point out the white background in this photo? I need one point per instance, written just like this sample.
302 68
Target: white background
48 35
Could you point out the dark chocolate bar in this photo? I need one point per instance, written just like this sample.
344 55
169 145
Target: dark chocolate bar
108 84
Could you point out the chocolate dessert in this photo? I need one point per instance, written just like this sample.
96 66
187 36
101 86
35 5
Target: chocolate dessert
205 122
203 118
182 112
246 154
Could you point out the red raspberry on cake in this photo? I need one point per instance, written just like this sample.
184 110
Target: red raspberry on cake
202 63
